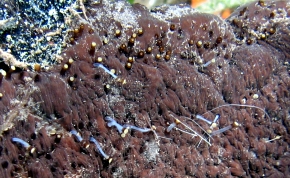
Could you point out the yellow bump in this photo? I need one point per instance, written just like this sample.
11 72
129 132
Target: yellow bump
149 50
87 146
105 41
134 35
65 66
128 65
131 41
76 31
263 36
190 42
126 130
177 121
272 31
199 44
37 67
199 61
3 72
53 132
93 45
32 150
140 31
72 40
1 95
255 96
167 57
214 125
70 61
130 59
158 56
236 124
209 131
13 68
113 71
99 59
118 33
71 79
110 160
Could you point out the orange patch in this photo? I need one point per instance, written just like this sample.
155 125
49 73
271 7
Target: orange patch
226 13
196 3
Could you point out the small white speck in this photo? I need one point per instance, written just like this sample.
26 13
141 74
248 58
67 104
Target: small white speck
244 100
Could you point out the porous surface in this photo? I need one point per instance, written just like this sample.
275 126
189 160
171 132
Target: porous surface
196 62
35 31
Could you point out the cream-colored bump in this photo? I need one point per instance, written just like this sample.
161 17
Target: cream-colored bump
99 59
255 96
70 61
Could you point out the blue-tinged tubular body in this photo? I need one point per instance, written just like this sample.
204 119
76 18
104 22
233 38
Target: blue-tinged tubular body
77 135
92 139
137 128
203 119
216 118
221 130
20 141
111 122
170 127
105 69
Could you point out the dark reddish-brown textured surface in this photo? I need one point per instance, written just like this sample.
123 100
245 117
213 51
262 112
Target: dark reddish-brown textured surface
173 79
